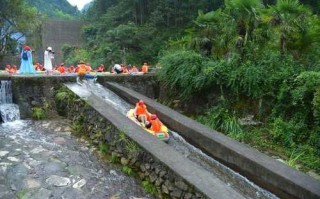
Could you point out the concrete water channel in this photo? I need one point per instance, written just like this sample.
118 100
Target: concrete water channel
229 177
42 159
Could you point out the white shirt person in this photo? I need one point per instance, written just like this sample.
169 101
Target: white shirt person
48 56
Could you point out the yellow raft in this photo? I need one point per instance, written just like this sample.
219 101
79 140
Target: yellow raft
163 135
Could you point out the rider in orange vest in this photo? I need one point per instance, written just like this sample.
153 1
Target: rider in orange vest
141 112
155 124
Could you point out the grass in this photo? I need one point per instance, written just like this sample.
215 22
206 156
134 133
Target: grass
103 148
149 187
38 113
302 157
127 170
22 193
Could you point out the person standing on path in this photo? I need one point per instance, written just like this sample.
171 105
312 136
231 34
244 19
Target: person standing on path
48 56
26 66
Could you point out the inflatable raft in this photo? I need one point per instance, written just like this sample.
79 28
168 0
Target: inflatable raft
163 135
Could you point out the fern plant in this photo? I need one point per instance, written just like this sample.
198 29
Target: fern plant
38 113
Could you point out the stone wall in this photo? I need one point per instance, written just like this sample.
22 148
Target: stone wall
31 91
101 131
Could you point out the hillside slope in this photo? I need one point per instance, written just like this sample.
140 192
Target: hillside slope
57 9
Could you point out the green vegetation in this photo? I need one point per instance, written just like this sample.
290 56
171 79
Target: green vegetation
39 113
127 170
114 158
240 57
149 187
58 9
16 20
103 148
21 194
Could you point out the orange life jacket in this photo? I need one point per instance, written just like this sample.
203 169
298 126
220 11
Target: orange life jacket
82 70
144 68
140 110
61 69
156 125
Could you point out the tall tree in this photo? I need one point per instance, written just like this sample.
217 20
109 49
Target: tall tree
15 17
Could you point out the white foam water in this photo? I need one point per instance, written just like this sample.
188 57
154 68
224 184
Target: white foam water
8 111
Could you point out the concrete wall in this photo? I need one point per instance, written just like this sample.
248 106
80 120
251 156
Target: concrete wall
56 33
270 174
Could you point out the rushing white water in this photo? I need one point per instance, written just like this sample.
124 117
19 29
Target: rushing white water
8 111
5 92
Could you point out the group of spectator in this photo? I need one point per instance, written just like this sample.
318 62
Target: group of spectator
122 68
83 68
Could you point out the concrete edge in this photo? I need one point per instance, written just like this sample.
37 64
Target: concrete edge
272 175
203 181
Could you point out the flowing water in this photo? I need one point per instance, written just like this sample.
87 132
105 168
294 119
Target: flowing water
8 111
42 160
230 177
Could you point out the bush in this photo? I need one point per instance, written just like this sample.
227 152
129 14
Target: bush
181 72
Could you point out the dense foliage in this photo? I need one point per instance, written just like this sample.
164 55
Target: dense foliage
257 58
55 9
20 18
16 20
265 60
134 32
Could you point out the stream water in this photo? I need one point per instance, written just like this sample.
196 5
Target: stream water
230 177
42 160
8 111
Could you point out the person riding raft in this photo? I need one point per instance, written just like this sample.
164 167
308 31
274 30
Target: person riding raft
142 114
156 124
81 70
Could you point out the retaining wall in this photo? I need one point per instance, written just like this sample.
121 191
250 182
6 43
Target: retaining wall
270 174
31 91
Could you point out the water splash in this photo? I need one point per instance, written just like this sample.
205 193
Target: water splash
108 96
5 92
8 111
